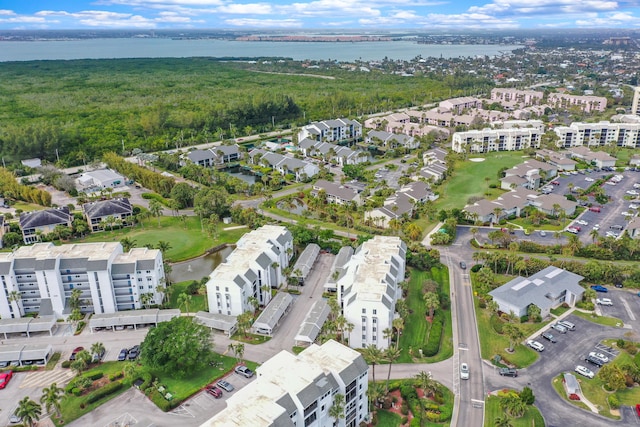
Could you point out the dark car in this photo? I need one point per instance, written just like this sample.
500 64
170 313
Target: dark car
214 391
134 352
75 352
549 337
244 371
97 356
123 354
594 360
619 285
599 288
508 372
463 265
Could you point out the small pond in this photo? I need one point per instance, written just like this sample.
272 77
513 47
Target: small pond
197 268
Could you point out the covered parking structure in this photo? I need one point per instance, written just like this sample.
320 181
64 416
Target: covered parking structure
220 322
134 318
38 353
27 325
310 328
305 262
270 318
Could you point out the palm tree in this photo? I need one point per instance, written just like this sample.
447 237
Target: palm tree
387 334
513 405
29 411
372 355
97 348
184 299
514 333
431 301
155 208
51 397
391 354
503 421
127 243
336 411
398 325
163 246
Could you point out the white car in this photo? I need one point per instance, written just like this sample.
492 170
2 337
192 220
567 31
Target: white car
599 356
535 345
582 222
589 179
596 227
625 213
464 371
636 185
584 371
543 233
604 301
633 206
572 230
612 234
632 192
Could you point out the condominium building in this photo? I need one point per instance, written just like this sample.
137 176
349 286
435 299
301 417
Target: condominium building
586 103
332 131
299 391
635 105
369 289
510 97
485 140
40 278
251 270
599 134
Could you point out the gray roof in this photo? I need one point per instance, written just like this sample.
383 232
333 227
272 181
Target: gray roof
521 292
107 207
335 190
146 264
132 317
321 385
221 322
46 217
23 352
312 324
263 260
274 311
5 267
27 324
306 259
288 404
124 268
199 155
353 370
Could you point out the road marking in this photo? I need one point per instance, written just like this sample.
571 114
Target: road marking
629 312
182 411
123 420
463 348
41 379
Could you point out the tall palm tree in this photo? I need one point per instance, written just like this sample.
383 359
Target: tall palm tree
503 421
51 397
97 348
391 354
387 334
29 411
336 411
155 208
398 325
372 355
431 301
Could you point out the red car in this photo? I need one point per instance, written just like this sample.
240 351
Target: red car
638 409
595 209
74 352
5 377
555 182
214 391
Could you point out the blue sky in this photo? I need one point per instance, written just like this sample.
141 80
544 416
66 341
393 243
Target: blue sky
318 14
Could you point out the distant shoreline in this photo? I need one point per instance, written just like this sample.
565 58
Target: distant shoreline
321 39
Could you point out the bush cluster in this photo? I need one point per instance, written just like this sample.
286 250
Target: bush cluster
104 391
435 335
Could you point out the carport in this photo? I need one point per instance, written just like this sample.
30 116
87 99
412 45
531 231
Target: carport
24 352
27 325
133 318
270 317
218 321
312 324
305 261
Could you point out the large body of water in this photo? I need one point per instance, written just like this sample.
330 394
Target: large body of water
169 48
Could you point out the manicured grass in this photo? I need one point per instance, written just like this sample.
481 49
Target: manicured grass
27 207
593 389
53 360
388 419
600 320
469 179
416 327
558 386
559 310
198 302
526 224
531 417
186 239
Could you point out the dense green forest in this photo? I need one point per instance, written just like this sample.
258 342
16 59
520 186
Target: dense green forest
87 107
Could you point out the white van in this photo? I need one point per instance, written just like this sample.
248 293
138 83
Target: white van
567 325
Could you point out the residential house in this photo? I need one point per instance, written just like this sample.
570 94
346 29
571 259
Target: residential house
400 204
299 390
109 279
300 169
458 105
534 171
598 159
100 179
558 159
335 193
252 270
552 204
330 152
547 289
515 98
390 141
37 223
486 140
369 289
633 227
216 156
338 130
107 213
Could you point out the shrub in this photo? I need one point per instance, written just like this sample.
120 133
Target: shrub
408 391
404 420
482 303
613 401
76 391
404 409
66 364
621 343
104 391
438 397
435 336
116 376
94 375
526 395
148 379
497 324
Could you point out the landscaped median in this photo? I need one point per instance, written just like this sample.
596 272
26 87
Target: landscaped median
500 405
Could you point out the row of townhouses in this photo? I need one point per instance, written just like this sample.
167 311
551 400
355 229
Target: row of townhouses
284 164
43 275
251 270
327 151
486 140
216 156
337 130
402 203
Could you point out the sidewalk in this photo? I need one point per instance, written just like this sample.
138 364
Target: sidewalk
427 239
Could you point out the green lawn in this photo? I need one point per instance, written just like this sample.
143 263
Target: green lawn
558 311
526 224
593 390
601 320
559 388
469 179
416 327
388 419
186 239
531 418
198 302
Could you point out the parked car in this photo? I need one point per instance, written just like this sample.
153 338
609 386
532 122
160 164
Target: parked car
582 222
584 371
15 419
543 233
75 352
596 227
600 356
508 372
464 371
604 301
558 327
599 288
243 370
616 227
214 391
594 360
97 356
535 345
572 230
134 352
549 337
5 377
123 354
555 182
638 409
225 385
570 326
596 209
4 364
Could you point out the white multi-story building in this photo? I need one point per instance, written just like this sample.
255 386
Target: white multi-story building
369 289
299 390
251 270
485 140
599 134
635 105
332 131
44 275
586 103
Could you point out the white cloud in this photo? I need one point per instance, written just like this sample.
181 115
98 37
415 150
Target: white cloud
7 12
247 9
544 7
329 8
264 23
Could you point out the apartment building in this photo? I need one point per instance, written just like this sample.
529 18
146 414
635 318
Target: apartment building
635 104
332 131
251 270
586 103
486 140
599 134
217 156
458 105
44 275
292 390
39 223
510 97
108 213
369 289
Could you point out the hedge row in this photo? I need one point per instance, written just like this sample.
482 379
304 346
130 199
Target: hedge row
104 391
162 403
435 335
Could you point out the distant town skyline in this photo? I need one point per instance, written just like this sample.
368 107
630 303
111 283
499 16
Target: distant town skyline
369 15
